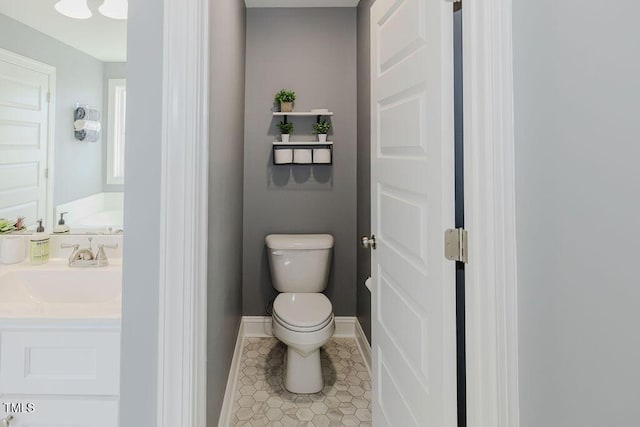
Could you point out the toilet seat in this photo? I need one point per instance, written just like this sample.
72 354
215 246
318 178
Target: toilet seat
295 328
302 312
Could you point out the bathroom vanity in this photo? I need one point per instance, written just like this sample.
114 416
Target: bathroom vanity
60 344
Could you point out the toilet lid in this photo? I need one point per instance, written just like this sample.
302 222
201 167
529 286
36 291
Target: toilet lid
302 310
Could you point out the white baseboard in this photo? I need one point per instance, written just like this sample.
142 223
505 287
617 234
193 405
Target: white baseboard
260 326
345 326
227 404
363 344
257 326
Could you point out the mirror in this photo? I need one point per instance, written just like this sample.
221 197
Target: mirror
62 115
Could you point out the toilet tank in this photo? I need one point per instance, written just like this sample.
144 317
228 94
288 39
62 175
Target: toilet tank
299 262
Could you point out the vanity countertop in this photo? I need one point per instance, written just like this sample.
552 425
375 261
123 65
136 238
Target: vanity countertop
56 291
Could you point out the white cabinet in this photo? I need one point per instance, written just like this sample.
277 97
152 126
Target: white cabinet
70 363
70 375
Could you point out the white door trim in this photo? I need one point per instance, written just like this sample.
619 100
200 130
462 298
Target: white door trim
50 71
182 367
491 288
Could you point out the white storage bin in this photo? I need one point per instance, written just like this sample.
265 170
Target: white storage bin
282 156
302 155
322 155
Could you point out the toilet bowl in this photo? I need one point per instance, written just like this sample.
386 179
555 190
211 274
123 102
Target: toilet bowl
302 316
304 324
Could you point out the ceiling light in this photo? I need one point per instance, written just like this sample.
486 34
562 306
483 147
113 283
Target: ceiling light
116 9
77 9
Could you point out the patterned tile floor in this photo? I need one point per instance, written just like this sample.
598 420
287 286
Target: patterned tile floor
262 400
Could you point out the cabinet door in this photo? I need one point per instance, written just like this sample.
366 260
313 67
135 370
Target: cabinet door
64 413
60 363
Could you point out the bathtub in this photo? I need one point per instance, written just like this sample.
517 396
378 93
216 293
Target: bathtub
57 291
98 212
105 219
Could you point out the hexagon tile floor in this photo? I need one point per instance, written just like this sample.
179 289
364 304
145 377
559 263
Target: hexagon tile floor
262 400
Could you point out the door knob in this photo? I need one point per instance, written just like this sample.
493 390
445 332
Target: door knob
6 421
368 242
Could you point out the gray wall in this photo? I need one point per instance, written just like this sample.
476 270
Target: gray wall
312 51
364 163
111 70
78 79
139 367
225 200
577 184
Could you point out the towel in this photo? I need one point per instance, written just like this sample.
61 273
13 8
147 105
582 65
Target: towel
86 125
86 113
87 135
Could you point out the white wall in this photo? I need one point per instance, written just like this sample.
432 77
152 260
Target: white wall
577 116
138 386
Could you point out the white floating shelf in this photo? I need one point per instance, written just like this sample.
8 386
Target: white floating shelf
302 143
303 113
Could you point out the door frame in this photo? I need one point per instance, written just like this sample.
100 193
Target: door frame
489 169
40 67
182 310
491 341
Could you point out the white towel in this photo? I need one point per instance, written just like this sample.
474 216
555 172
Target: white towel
86 112
86 125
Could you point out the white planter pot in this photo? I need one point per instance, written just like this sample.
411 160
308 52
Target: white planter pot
322 137
285 137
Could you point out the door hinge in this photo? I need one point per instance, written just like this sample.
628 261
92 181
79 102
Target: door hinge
455 245
48 97
46 173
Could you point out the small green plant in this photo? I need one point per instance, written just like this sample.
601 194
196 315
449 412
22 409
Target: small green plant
321 127
285 95
7 226
286 128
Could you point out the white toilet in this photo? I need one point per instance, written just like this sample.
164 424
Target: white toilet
302 315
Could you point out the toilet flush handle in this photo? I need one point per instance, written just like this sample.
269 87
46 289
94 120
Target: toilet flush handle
5 422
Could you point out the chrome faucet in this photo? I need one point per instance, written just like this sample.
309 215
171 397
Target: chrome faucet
85 257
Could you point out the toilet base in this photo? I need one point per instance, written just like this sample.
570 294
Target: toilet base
303 374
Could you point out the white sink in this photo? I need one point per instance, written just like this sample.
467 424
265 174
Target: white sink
58 291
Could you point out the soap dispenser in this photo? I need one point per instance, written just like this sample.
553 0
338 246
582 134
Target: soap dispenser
39 246
61 227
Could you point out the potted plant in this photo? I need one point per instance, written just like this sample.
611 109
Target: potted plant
321 128
285 98
286 129
7 226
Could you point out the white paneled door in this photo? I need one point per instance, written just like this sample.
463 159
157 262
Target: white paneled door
25 88
412 199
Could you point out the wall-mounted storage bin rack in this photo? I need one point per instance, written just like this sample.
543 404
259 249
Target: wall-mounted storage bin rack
318 114
302 152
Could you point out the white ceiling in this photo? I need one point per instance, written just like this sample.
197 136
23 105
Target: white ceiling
301 3
101 37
